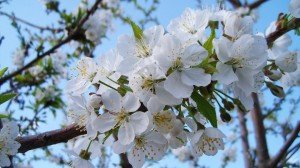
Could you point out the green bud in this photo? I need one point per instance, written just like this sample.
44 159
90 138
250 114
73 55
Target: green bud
225 117
276 90
228 105
240 105
84 154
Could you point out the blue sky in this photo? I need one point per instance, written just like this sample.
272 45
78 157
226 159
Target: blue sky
32 10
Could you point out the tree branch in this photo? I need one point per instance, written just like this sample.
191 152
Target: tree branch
124 163
245 142
58 45
293 24
235 3
256 4
276 159
260 133
14 18
49 138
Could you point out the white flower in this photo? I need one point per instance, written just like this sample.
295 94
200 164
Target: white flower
97 25
287 61
35 71
209 143
106 72
292 78
93 144
178 59
161 120
94 101
279 45
78 161
144 82
8 145
18 57
87 69
294 8
118 115
152 145
79 110
183 153
240 61
230 154
177 137
137 52
190 26
236 25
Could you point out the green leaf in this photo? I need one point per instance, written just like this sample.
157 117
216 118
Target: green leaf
208 45
6 97
2 71
205 108
3 116
137 31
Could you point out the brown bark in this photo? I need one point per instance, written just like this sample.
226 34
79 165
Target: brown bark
49 138
276 159
245 142
124 163
260 133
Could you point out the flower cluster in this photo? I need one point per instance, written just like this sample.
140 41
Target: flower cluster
157 89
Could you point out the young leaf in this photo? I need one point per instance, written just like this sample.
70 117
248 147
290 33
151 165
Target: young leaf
3 116
2 71
208 45
137 31
205 108
6 97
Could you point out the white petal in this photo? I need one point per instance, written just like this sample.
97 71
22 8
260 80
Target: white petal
136 157
225 74
104 123
118 148
157 138
287 61
126 133
214 133
165 97
223 49
4 160
112 100
139 121
294 8
130 102
174 85
154 151
195 76
193 55
154 105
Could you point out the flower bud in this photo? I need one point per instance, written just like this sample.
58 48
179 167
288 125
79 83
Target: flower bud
276 90
225 117
273 75
240 105
228 105
95 101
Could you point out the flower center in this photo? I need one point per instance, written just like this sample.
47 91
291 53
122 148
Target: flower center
139 142
142 49
177 64
236 62
148 83
121 117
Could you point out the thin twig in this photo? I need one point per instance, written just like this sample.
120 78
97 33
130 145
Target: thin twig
14 18
53 49
276 159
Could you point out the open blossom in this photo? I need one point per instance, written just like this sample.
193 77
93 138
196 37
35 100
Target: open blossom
179 60
292 78
8 145
190 26
287 61
18 57
138 52
151 144
118 115
240 61
87 70
159 119
236 26
210 141
78 161
294 8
